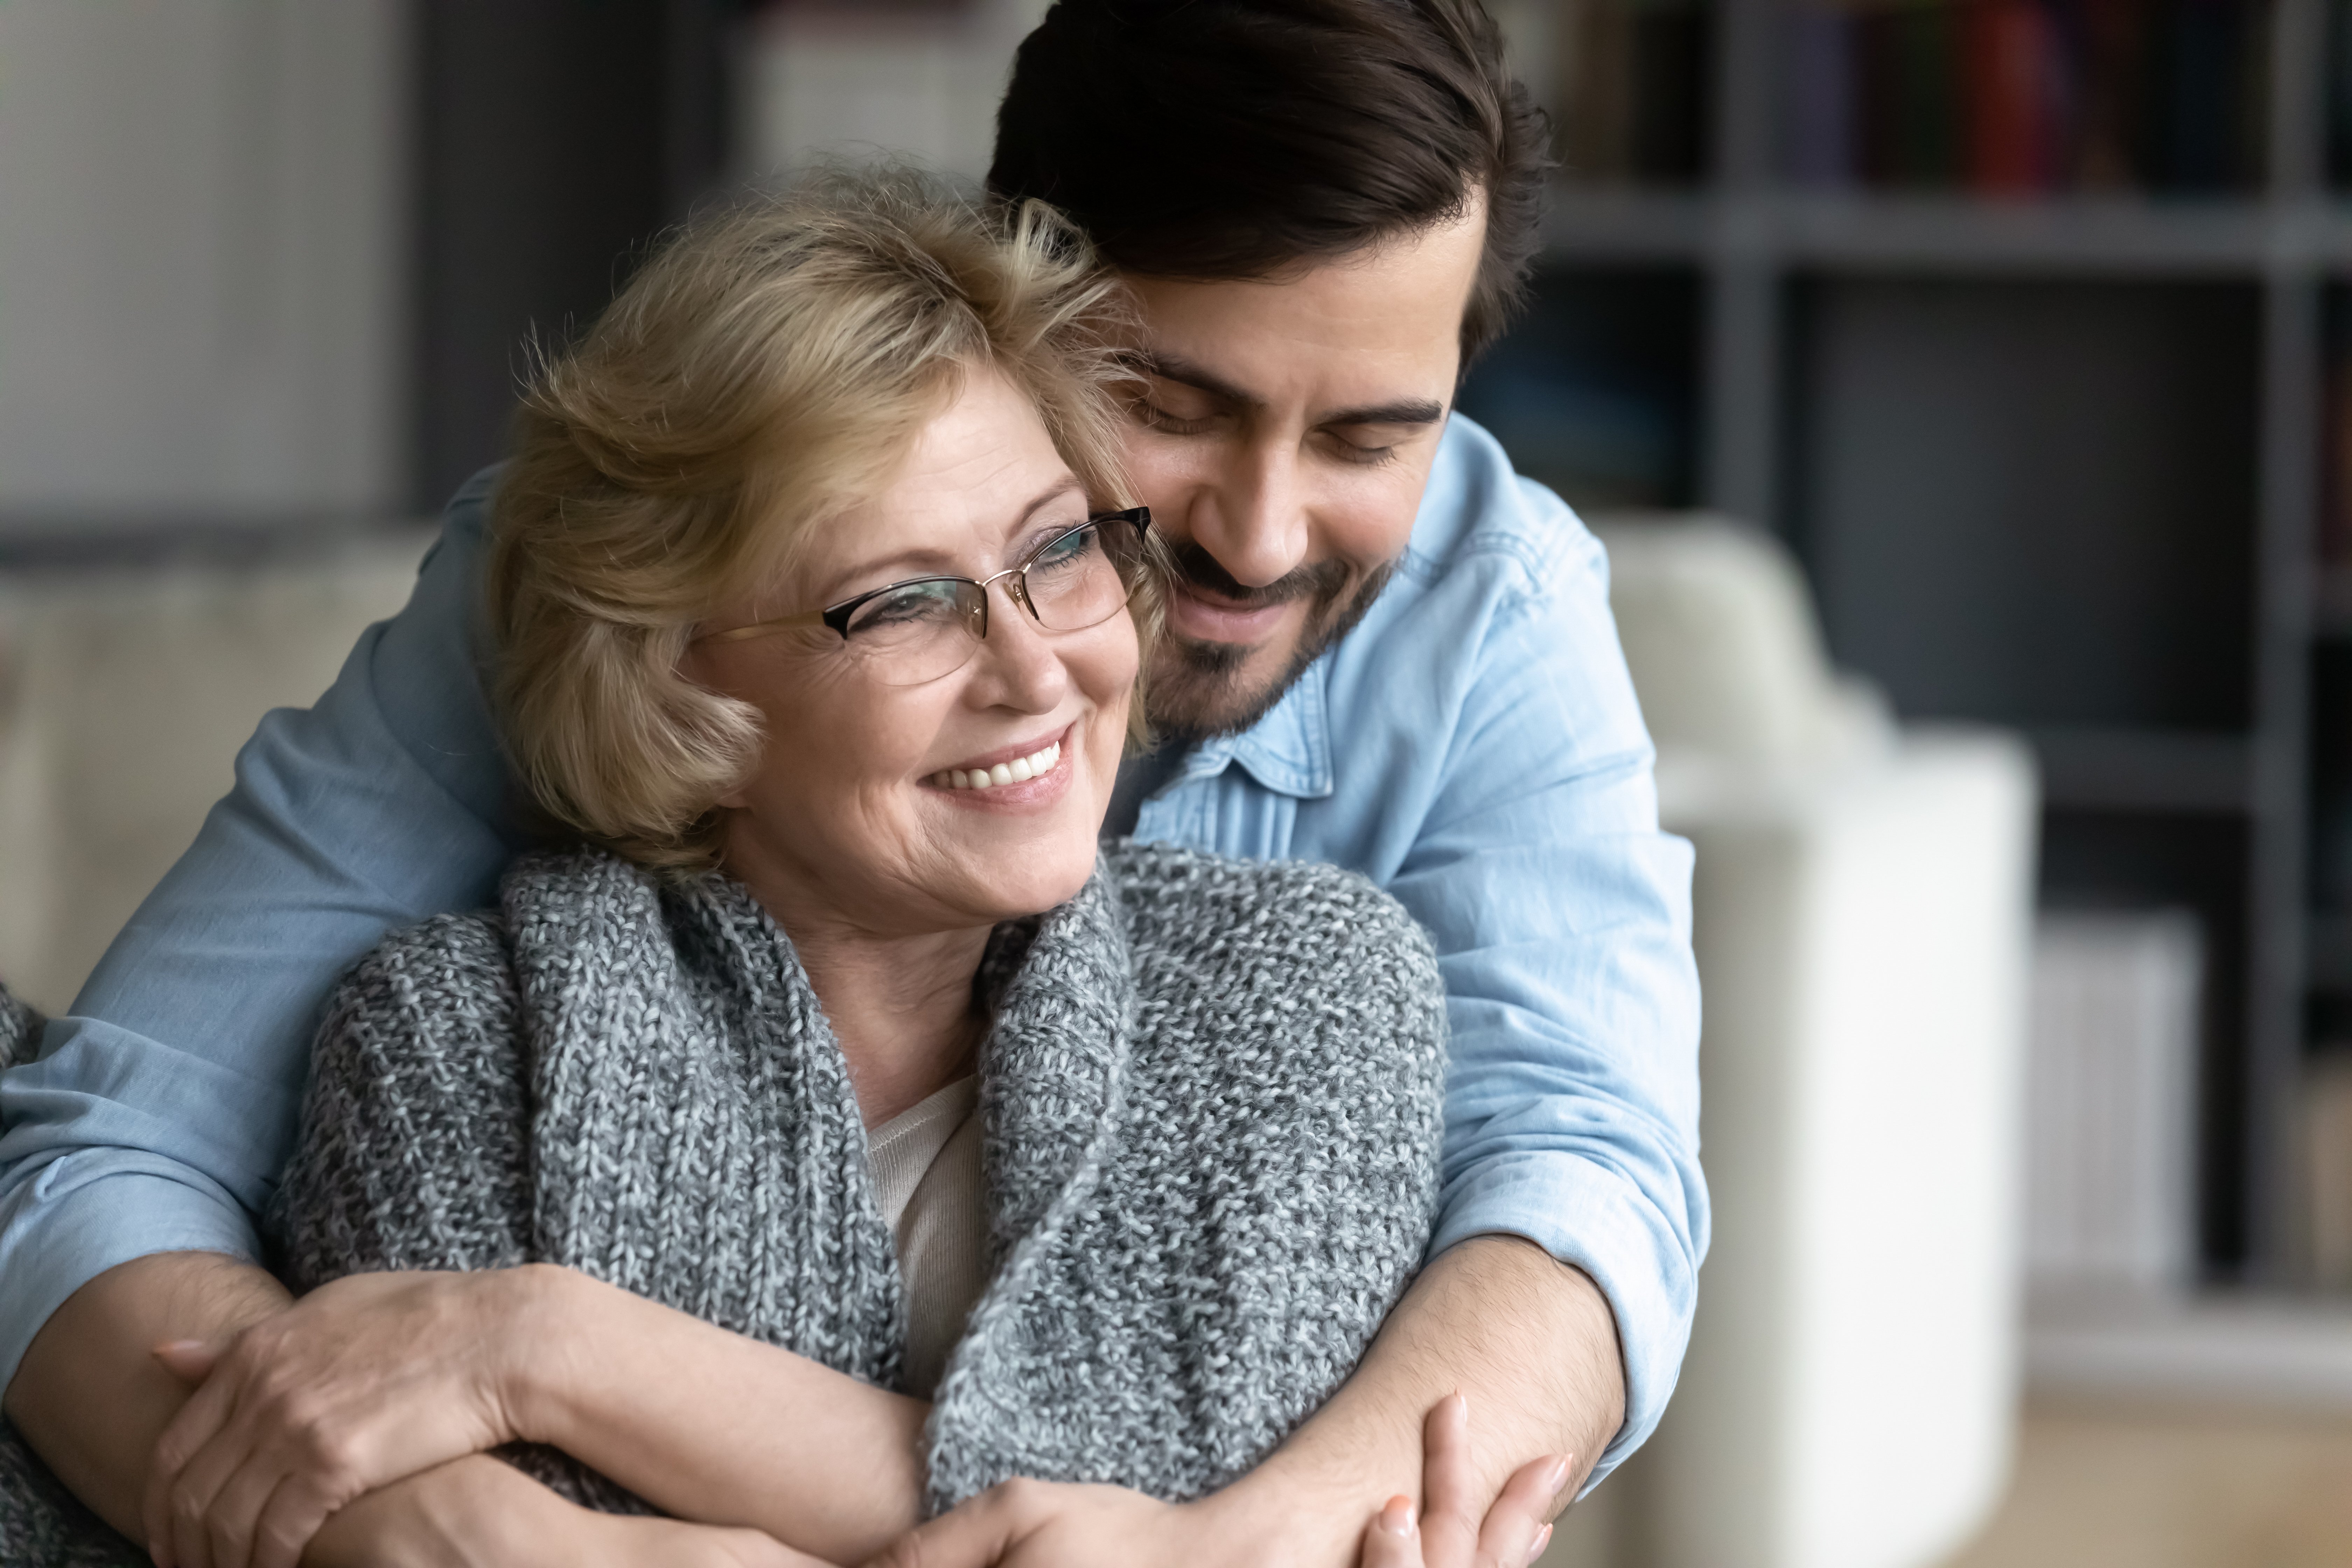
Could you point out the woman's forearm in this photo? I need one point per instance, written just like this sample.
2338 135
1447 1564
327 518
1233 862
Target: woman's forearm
714 1426
481 1512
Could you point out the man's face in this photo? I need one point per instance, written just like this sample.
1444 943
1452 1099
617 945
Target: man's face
1282 431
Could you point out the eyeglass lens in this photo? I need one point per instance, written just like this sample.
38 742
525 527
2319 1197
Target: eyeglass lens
921 630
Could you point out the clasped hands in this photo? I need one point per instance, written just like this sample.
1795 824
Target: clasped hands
379 1378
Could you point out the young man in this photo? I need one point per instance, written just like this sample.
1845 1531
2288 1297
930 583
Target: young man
1386 651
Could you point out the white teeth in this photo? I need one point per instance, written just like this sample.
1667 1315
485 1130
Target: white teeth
1020 770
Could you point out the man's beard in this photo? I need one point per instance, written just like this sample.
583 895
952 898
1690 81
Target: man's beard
1196 689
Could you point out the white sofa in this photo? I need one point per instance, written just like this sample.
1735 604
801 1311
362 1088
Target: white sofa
1862 916
124 695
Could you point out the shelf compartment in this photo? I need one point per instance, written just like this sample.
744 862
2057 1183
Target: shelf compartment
2127 770
2269 1352
2032 503
2331 604
2327 953
2129 857
1858 230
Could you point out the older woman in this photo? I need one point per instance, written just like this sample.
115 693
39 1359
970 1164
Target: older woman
832 1064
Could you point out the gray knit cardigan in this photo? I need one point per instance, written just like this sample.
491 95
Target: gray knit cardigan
1210 1113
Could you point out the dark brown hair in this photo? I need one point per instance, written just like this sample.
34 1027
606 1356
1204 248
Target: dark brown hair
1222 139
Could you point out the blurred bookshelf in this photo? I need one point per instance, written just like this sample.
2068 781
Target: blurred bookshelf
2028 323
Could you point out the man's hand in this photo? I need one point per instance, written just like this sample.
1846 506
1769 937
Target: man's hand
1022 1524
1449 1533
365 1380
1046 1524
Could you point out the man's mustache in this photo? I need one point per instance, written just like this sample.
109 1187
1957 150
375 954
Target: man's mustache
1323 582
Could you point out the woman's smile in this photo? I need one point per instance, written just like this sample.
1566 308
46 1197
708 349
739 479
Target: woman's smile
1024 773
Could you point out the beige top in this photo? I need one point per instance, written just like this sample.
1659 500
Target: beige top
926 1173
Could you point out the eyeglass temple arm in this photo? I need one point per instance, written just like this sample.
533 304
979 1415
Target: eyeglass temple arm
762 628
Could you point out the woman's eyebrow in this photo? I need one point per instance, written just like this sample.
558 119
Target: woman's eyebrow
1067 484
898 567
925 560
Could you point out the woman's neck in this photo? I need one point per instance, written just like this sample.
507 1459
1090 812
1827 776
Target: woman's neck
901 1007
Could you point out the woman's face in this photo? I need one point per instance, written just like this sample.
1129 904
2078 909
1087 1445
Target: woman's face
852 817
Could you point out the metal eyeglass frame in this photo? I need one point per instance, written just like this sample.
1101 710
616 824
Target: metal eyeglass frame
838 617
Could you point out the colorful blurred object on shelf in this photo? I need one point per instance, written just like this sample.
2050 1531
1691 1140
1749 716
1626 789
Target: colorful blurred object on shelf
2021 98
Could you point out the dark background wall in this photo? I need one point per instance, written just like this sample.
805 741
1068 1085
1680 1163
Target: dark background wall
555 138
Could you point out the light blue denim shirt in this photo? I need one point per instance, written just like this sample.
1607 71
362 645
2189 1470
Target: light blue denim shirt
1474 746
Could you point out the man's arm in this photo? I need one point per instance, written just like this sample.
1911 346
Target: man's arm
1561 918
1528 1341
161 1111
94 1412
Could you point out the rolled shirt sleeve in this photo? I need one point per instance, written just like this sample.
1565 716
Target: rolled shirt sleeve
1562 918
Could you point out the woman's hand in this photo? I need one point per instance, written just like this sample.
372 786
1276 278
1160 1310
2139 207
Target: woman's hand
364 1381
1449 1534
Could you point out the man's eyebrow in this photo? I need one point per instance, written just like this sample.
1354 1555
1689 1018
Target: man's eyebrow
1406 411
1184 372
1172 367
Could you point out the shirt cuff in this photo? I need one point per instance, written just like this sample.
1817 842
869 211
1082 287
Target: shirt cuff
82 1213
1593 1219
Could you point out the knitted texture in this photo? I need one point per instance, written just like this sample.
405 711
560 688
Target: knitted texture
20 1030
1209 1105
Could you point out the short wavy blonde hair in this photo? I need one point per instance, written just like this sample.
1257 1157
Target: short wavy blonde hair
761 374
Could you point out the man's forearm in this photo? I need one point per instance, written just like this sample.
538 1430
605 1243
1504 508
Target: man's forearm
1529 1341
88 1396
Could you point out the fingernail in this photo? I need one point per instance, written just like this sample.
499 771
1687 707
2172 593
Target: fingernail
1397 1517
1557 1477
1543 1539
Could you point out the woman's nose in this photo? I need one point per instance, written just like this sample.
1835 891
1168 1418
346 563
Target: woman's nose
1018 665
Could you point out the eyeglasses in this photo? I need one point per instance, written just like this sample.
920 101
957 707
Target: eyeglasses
927 627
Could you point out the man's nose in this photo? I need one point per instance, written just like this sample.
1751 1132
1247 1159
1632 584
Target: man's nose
1253 516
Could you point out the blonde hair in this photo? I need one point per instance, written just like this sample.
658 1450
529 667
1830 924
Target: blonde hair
763 372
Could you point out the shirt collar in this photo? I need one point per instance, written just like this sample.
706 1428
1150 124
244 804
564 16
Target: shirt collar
1289 750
